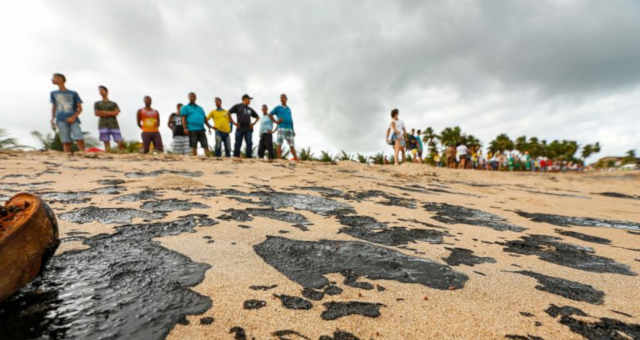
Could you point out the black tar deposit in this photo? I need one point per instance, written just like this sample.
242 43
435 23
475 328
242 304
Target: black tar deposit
569 289
454 214
124 286
566 221
522 337
169 205
280 215
265 288
140 174
109 190
339 335
110 181
315 204
286 334
460 256
550 249
138 196
369 229
294 302
306 262
389 200
583 237
107 215
335 310
604 328
69 197
254 304
238 333
619 195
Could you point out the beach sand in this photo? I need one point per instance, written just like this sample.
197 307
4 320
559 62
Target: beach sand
504 282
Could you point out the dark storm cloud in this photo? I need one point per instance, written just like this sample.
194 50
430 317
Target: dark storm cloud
533 67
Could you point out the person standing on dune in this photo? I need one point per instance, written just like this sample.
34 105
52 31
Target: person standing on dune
398 133
108 123
285 127
66 106
222 126
149 120
244 126
194 119
180 137
266 134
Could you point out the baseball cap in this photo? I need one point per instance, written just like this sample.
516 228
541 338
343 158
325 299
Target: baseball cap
246 96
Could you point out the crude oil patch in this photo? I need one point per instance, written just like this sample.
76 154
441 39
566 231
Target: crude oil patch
110 181
455 214
583 237
315 204
69 197
286 334
108 215
335 310
369 229
339 335
569 289
109 190
123 286
389 199
280 215
306 263
566 221
169 205
619 195
603 328
294 302
324 191
138 196
254 304
550 249
460 256
141 174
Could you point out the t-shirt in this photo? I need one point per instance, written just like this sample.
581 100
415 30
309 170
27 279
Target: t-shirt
150 119
284 113
107 122
420 145
178 128
195 117
67 102
266 124
399 125
220 120
461 150
243 115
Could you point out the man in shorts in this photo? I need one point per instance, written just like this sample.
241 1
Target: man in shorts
65 109
222 125
108 123
180 138
266 134
244 126
194 119
148 120
285 127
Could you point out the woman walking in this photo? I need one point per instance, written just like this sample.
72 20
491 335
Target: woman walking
398 133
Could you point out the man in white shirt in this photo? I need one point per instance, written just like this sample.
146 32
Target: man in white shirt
461 152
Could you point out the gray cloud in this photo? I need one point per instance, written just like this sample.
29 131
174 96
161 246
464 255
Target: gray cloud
556 69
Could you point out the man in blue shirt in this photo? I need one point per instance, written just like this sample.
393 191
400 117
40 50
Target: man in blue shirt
194 119
285 127
65 109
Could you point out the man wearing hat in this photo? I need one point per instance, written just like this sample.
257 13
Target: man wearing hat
244 126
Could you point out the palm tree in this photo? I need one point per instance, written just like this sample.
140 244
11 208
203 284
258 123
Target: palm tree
431 139
501 144
451 136
7 143
521 144
630 158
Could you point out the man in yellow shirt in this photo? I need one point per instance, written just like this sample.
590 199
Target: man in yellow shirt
222 125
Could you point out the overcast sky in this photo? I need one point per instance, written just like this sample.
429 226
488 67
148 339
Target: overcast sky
552 69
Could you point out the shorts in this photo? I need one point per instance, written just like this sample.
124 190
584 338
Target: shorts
286 134
396 136
198 136
113 133
69 132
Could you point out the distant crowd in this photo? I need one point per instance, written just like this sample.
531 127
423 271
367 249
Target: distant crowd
463 157
187 124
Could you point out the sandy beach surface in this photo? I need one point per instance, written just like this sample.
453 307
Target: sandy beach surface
192 248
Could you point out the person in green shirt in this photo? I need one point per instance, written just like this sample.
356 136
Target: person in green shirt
108 123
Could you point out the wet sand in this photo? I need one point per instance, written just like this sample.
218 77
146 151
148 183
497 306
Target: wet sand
214 249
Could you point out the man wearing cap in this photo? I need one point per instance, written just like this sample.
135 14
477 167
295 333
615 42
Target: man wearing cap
244 126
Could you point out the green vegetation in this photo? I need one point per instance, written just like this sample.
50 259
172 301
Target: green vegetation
344 156
306 154
8 143
362 158
52 141
325 157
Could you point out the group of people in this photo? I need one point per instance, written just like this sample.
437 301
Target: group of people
403 141
187 124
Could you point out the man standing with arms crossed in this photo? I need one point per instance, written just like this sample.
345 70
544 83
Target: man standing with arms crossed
285 127
244 126
65 109
108 123
148 121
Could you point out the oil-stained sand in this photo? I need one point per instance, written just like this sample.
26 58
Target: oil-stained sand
370 252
